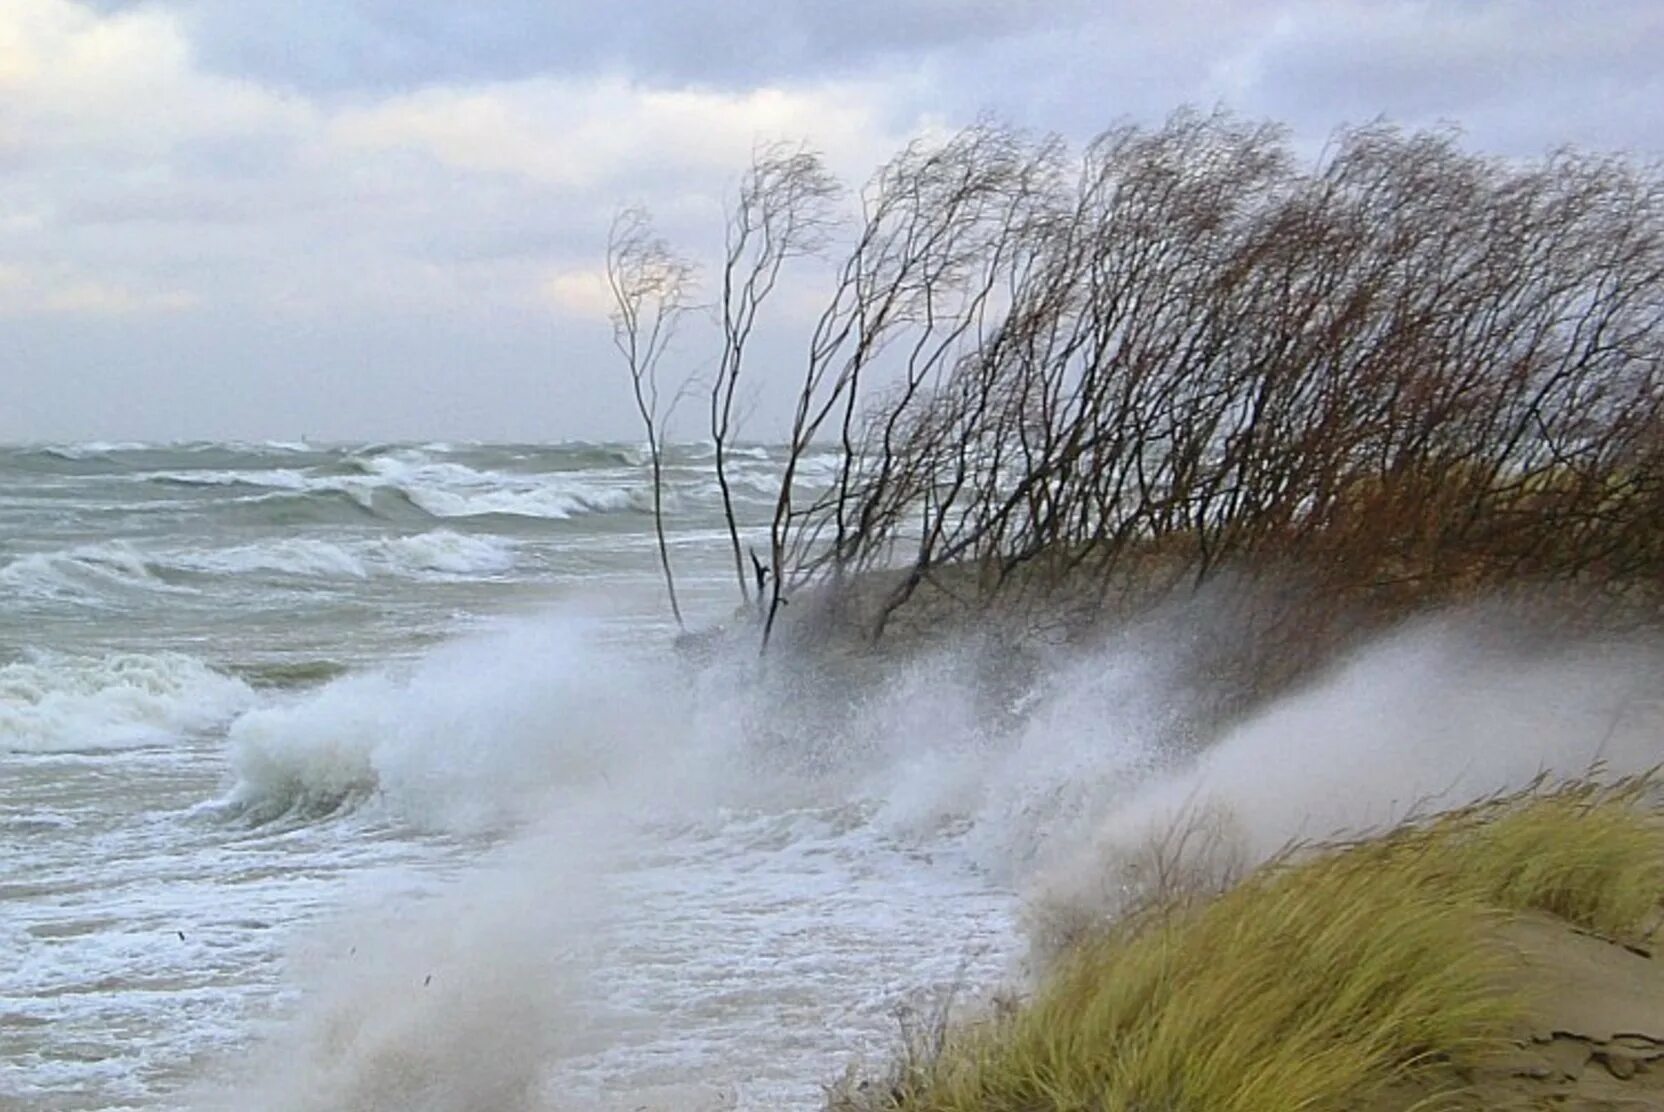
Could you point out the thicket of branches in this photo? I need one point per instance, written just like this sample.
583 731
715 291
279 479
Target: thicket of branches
1182 351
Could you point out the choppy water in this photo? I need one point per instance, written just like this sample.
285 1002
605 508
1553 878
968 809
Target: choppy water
253 697
365 778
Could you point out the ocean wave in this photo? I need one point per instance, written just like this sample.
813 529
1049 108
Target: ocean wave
276 478
323 507
757 486
404 483
740 451
291 673
475 735
453 490
298 556
86 573
437 488
52 702
444 552
543 501
437 553
819 465
103 572
91 449
279 480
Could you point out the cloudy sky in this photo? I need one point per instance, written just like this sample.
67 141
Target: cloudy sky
384 218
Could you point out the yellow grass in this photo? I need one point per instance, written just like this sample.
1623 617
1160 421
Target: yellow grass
1315 984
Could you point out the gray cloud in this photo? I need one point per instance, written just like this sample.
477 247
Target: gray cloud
377 44
384 218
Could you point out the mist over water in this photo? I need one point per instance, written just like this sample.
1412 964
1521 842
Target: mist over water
356 805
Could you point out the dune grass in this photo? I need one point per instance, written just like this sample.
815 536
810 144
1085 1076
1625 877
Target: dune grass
1318 982
1589 853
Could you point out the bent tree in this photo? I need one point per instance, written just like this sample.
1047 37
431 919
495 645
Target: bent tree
1182 351
784 210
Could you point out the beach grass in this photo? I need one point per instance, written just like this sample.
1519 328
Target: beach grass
1324 980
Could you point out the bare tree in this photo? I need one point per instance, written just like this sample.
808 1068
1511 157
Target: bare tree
1406 368
923 268
1408 365
651 289
784 210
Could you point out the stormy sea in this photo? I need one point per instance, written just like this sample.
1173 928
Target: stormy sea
371 777
364 777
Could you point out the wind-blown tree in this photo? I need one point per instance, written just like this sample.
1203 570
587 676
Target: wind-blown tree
652 290
1409 363
1404 368
784 210
925 265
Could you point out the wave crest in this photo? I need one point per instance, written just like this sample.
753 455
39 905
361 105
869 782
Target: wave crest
85 573
52 702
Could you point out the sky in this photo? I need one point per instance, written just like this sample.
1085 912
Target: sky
386 219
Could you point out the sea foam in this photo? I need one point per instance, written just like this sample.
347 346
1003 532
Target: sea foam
89 573
53 702
722 815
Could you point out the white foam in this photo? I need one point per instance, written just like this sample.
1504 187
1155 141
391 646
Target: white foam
477 734
289 556
876 825
85 573
57 702
449 553
1432 718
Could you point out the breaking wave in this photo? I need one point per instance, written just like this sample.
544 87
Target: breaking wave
472 736
52 702
86 573
439 489
115 570
938 768
453 490
439 552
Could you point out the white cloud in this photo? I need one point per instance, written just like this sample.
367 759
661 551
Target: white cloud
154 173
581 293
124 82
60 291
585 134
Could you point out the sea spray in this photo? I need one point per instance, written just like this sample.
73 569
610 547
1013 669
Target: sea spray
1442 713
764 859
485 730
478 734
456 1003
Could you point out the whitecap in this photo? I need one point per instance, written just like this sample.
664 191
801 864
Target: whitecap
54 702
86 573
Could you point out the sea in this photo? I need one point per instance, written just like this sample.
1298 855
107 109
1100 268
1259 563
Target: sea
376 777
370 776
